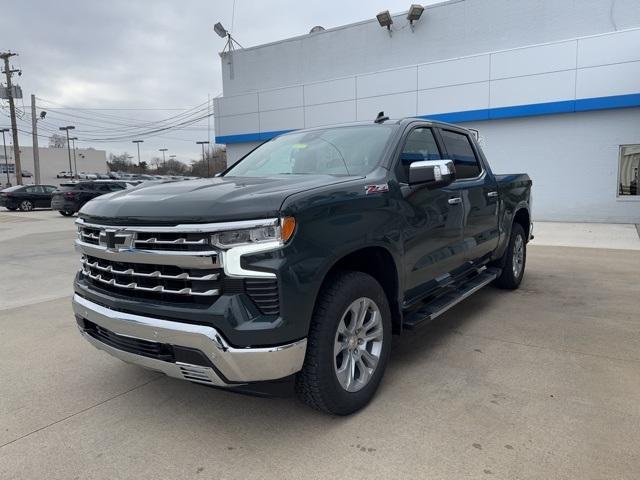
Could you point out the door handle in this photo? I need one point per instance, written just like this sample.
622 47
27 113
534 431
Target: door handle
492 194
455 201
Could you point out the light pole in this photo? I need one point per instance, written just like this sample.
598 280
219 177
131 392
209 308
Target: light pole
138 142
203 143
6 158
164 162
75 165
67 128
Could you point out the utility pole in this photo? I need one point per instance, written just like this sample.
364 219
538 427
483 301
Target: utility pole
6 158
164 162
75 164
207 158
34 130
138 142
12 111
67 128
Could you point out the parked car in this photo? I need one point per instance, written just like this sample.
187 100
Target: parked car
295 266
64 174
70 197
87 176
26 198
26 174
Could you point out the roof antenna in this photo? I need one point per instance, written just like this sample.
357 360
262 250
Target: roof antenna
381 118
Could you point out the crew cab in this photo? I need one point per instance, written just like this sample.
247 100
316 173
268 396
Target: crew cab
295 266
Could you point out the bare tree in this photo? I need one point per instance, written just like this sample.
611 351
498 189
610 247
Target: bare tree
57 141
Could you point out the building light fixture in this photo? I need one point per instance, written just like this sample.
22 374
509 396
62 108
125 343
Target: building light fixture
414 13
384 19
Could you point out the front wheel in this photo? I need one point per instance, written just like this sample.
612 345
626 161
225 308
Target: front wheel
514 260
348 345
26 205
65 213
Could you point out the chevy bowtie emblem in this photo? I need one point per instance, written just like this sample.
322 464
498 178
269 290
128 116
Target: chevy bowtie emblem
110 238
115 239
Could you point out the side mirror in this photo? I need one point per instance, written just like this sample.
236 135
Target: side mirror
432 173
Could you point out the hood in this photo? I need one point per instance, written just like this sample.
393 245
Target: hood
204 200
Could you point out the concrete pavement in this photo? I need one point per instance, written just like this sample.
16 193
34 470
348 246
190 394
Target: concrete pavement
542 382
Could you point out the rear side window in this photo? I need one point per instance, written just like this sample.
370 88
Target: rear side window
459 149
419 145
32 190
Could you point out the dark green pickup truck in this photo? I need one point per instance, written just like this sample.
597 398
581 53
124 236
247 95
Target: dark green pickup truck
294 267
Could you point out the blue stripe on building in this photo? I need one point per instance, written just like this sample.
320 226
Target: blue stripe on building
530 110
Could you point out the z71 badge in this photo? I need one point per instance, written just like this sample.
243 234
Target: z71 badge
381 188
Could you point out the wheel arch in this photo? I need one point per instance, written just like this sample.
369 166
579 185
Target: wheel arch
380 263
523 217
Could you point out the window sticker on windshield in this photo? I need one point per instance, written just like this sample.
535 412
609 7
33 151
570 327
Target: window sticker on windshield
299 146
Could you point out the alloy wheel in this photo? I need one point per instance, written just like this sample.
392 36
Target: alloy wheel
358 344
518 256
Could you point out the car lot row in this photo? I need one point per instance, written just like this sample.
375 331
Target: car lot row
68 198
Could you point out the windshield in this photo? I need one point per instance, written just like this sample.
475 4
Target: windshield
332 151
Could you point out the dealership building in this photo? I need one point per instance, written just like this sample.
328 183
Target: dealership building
552 87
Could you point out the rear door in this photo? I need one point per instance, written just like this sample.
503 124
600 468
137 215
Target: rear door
433 236
477 189
42 198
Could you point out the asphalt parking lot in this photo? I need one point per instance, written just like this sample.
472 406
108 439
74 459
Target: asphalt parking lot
542 382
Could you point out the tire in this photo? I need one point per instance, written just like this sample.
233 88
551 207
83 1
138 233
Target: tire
324 382
514 260
66 213
26 205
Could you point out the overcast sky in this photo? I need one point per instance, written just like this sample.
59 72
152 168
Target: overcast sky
145 59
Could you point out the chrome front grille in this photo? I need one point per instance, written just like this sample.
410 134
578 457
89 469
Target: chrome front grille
89 235
174 264
172 241
163 281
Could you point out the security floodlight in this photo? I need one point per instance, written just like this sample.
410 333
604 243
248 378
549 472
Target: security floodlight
384 19
414 13
220 30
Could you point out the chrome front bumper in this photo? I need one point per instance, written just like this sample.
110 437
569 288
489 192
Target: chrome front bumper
231 366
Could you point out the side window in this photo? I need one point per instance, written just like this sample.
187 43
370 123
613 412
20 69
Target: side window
461 152
32 190
419 145
49 189
104 188
115 187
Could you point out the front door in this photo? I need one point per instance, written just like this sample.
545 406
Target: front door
433 241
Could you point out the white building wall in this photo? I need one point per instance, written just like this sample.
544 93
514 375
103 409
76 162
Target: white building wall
580 74
54 160
447 30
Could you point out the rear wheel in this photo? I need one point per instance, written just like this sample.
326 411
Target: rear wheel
66 213
514 260
26 205
348 345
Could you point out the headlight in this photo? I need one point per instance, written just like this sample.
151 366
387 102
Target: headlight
275 233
